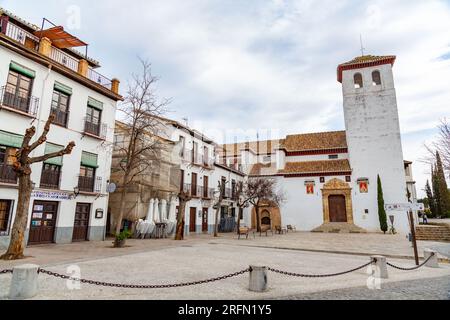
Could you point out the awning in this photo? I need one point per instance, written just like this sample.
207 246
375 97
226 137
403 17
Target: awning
60 38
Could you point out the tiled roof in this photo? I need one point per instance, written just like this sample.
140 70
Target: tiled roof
364 62
316 167
367 59
315 141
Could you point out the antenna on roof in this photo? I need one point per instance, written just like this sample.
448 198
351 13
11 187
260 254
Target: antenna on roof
362 46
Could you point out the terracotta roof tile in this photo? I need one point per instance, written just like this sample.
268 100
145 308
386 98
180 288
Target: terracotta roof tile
364 62
316 141
316 167
263 169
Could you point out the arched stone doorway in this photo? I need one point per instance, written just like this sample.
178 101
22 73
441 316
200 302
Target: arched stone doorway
265 218
337 202
269 214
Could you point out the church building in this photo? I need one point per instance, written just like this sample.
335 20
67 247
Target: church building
330 178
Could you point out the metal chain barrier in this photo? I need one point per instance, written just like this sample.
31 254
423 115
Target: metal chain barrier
320 275
5 271
413 268
151 286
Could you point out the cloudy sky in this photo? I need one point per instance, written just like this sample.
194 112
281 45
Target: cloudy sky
237 67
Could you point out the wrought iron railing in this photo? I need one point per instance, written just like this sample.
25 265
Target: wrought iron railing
24 103
89 184
18 34
61 117
100 79
64 59
95 129
50 179
7 174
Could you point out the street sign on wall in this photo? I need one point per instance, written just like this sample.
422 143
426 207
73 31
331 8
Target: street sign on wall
404 207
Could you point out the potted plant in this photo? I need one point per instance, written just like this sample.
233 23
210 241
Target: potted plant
120 239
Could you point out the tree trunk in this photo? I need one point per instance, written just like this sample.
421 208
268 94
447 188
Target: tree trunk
17 243
179 235
123 194
239 220
258 221
216 221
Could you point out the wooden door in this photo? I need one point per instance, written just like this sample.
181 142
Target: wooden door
194 185
43 221
205 187
205 220
193 220
338 210
81 223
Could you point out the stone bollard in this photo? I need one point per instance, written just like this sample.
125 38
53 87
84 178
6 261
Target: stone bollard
24 282
381 267
433 262
258 279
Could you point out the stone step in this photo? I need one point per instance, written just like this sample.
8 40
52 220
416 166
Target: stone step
339 227
433 233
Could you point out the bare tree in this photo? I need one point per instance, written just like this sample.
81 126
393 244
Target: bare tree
218 205
260 190
183 198
441 145
142 110
241 200
22 166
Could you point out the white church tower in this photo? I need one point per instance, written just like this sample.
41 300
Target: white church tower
373 138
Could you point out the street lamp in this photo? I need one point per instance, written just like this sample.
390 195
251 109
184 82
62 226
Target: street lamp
76 191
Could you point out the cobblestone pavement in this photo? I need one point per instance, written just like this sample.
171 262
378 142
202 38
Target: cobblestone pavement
423 289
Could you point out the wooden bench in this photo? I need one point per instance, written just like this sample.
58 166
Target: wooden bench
291 228
244 231
280 230
265 229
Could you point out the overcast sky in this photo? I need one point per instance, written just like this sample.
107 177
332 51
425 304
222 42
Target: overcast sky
256 65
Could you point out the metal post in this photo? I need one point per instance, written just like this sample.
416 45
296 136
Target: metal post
413 235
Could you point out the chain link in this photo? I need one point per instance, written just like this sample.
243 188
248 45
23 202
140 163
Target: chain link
151 286
5 271
320 275
413 268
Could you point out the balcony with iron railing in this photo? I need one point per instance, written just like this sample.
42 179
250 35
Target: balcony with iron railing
62 57
50 179
97 130
196 158
16 101
89 184
7 174
61 117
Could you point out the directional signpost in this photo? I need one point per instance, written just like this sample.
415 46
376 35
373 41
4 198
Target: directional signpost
409 208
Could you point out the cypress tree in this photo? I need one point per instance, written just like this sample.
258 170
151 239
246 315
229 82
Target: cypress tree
430 198
444 198
436 193
381 210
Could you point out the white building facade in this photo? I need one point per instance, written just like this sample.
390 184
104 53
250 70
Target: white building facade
330 178
69 201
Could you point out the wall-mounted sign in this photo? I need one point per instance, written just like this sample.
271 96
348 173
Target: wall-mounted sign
37 215
99 214
404 207
53 195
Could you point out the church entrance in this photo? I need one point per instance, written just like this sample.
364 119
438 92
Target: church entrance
337 207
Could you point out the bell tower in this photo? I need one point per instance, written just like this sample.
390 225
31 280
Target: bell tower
373 137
